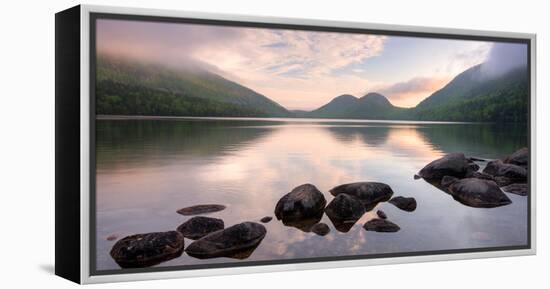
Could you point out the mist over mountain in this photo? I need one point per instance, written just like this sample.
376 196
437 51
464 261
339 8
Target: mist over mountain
493 91
502 59
128 87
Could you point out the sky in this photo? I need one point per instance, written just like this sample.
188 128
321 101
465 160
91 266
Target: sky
306 69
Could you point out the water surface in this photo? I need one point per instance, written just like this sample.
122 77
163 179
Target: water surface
147 169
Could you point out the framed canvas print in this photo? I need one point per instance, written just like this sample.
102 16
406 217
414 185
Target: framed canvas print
193 144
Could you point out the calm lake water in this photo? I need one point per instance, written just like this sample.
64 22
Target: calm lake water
147 169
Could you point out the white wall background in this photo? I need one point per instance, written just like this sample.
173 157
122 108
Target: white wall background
27 142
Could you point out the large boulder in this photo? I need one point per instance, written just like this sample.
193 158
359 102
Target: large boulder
369 193
453 164
518 189
381 225
404 203
233 242
519 158
144 250
498 168
198 227
478 193
303 202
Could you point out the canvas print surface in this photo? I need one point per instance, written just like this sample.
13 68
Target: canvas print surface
221 145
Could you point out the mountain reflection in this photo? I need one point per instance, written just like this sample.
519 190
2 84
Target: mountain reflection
148 169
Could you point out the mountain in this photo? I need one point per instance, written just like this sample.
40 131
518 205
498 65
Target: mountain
474 96
371 106
337 107
127 87
470 96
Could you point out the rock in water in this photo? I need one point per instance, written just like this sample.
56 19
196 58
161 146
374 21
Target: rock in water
478 193
144 250
497 168
381 214
344 211
518 189
503 181
198 227
345 208
380 225
479 175
519 158
446 181
112 237
200 209
454 164
266 219
303 202
369 193
472 167
320 229
233 242
403 203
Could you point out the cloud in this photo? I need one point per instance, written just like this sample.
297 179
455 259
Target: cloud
504 57
298 69
295 68
409 93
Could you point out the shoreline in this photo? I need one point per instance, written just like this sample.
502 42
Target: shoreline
278 119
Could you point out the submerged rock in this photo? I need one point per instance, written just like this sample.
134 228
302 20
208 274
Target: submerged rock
303 202
266 219
519 158
304 225
403 203
198 227
381 225
369 193
237 241
518 189
144 250
320 229
200 209
381 214
478 193
498 168
112 237
454 164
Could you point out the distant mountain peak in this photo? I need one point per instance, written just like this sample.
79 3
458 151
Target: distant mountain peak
345 96
374 97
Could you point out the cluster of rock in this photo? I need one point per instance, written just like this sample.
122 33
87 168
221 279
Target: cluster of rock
305 205
460 177
211 237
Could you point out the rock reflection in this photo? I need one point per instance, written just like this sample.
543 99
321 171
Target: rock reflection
146 172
